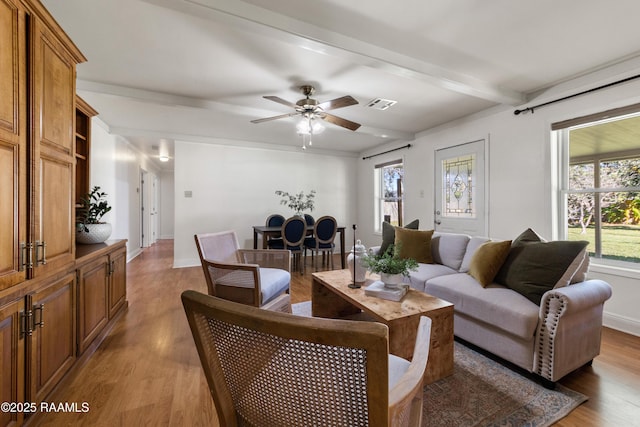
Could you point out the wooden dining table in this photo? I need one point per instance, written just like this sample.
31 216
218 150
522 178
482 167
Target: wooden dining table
267 232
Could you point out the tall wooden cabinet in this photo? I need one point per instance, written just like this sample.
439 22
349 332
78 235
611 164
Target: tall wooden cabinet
39 287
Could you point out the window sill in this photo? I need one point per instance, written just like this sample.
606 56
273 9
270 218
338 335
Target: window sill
615 268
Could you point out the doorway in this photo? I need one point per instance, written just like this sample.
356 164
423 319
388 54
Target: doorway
460 189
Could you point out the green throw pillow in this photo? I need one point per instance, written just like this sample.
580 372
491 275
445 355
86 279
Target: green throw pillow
389 234
487 260
526 237
415 244
537 267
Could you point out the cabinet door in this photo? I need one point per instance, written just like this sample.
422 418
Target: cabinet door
12 357
53 173
93 311
52 348
118 280
13 143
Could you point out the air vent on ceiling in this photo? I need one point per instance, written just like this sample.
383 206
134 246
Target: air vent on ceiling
381 104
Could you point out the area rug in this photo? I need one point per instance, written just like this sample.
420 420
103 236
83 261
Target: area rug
483 392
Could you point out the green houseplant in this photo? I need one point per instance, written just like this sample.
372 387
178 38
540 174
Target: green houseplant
298 202
89 227
390 266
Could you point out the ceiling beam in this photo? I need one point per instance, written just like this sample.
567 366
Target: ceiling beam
270 24
160 98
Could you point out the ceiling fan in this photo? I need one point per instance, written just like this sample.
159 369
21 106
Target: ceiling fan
311 110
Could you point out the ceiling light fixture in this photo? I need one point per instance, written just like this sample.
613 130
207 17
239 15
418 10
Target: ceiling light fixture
163 158
307 127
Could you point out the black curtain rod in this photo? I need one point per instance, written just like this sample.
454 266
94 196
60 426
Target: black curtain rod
516 112
385 152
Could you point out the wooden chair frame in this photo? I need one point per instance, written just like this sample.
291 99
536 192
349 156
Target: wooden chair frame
230 390
240 280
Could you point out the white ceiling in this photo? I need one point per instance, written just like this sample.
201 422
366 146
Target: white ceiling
161 70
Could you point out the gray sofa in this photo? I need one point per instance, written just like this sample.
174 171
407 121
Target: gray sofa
550 340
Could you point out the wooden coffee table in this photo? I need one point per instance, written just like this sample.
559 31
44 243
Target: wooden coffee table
331 297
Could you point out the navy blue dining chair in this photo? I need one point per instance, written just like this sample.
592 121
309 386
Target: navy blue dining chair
294 231
324 233
275 220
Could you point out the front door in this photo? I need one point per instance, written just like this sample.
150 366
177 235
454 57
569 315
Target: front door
460 197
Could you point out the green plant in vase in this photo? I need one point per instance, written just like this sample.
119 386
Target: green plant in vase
390 266
299 202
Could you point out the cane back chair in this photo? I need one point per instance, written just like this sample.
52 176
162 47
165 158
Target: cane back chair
258 277
277 369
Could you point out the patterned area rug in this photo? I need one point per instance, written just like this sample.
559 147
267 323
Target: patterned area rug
482 392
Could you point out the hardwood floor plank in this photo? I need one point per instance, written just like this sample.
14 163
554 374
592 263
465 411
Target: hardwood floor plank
147 370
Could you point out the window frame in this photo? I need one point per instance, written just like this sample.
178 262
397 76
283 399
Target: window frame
380 200
561 139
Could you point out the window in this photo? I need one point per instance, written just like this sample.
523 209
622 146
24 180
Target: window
600 184
388 178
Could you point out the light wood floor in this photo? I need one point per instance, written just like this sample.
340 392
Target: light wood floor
147 371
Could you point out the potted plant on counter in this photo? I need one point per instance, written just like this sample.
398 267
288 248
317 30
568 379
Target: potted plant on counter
89 228
390 266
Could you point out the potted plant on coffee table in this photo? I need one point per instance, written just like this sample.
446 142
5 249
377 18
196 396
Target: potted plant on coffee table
390 266
89 228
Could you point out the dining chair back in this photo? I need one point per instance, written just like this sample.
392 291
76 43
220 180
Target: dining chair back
257 277
310 220
293 233
275 220
277 369
324 233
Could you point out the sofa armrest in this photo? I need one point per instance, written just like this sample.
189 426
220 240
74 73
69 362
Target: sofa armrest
569 328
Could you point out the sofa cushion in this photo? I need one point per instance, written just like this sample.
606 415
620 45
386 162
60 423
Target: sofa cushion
538 267
496 304
487 260
425 272
414 244
389 234
449 249
473 245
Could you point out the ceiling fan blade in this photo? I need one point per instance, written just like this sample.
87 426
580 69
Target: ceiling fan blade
281 116
280 101
340 121
344 101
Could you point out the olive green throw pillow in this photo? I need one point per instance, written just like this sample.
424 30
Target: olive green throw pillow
538 267
487 260
389 234
415 244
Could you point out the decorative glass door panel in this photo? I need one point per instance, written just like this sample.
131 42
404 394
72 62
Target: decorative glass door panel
460 189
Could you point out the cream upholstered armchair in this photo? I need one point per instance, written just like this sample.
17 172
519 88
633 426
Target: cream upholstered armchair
277 369
258 277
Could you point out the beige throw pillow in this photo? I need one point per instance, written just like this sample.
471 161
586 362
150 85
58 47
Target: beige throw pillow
487 260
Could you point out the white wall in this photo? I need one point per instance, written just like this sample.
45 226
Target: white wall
233 188
520 189
115 167
167 204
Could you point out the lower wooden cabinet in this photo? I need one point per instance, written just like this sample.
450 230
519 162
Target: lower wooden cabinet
47 325
102 289
117 281
93 310
51 345
12 356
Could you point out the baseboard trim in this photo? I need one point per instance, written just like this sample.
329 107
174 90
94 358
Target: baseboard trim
186 262
621 323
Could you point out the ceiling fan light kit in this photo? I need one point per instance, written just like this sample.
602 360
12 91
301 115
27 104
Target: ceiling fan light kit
312 112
